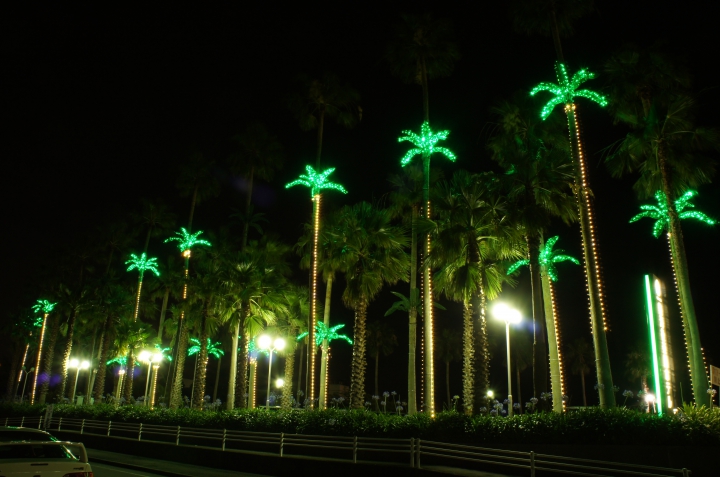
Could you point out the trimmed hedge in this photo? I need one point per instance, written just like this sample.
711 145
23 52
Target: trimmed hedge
590 427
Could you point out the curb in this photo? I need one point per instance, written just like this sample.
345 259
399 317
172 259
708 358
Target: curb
138 467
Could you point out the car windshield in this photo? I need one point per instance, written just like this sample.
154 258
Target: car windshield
33 451
23 435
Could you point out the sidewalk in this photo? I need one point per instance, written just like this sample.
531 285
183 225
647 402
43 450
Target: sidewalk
158 466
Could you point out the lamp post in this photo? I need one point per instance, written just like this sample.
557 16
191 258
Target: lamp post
150 359
650 400
508 315
74 363
266 342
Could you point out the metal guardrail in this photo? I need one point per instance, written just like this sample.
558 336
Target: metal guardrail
401 452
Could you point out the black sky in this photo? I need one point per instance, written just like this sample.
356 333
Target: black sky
100 105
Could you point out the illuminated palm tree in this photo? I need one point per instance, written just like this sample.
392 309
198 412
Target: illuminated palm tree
213 349
141 264
425 145
564 93
663 215
186 241
44 307
547 260
315 181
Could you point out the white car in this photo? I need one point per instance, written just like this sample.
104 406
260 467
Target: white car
43 456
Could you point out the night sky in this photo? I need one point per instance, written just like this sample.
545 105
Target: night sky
101 105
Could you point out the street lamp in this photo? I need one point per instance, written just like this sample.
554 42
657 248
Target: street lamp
121 378
650 400
509 315
266 342
150 359
74 363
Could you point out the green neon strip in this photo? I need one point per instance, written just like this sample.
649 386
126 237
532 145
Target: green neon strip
653 343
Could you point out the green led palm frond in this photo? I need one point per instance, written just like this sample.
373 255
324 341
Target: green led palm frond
120 360
165 352
187 240
661 215
323 332
213 349
425 143
549 257
43 306
566 90
142 264
515 266
316 181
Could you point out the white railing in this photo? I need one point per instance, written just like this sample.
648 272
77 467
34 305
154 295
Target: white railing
403 452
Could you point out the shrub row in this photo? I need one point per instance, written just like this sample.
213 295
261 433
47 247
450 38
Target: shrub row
591 426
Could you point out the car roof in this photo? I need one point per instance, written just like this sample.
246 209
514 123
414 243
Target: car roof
11 433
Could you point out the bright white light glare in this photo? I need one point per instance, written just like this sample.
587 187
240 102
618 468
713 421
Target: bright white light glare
144 356
509 315
490 394
73 363
279 382
85 365
157 357
279 344
649 398
263 342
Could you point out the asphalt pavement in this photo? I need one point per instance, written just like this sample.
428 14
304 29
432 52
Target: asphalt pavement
158 466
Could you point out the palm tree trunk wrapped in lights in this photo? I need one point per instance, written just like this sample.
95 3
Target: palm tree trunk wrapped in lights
663 214
316 181
564 93
45 307
425 146
547 260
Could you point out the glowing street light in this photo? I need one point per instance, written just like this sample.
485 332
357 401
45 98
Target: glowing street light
266 342
121 378
279 383
74 363
151 359
650 400
509 315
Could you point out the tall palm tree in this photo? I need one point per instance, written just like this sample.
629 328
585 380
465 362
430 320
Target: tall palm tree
556 18
580 355
406 202
113 303
373 256
637 365
130 337
564 93
325 96
425 145
211 349
72 301
547 259
537 181
469 241
44 307
449 349
668 149
255 280
186 242
422 49
142 264
315 181
259 155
